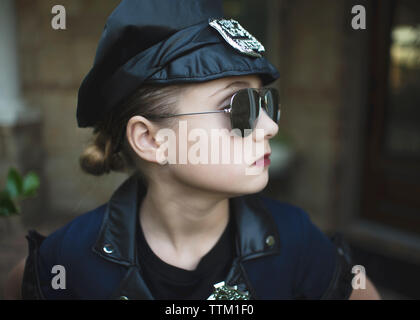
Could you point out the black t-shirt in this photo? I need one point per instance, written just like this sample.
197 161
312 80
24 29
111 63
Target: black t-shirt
166 281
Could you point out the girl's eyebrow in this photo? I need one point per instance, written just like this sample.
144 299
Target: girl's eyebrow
235 83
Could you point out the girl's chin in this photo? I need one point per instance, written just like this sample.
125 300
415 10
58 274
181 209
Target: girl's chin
254 183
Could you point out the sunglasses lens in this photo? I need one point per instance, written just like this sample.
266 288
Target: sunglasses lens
245 110
271 98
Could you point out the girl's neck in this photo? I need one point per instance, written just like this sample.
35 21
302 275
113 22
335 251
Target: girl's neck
181 226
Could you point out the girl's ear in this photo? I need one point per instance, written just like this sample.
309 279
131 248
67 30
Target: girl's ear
141 137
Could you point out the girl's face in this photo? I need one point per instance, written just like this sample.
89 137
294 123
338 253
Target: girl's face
209 156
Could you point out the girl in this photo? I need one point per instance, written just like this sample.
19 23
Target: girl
179 228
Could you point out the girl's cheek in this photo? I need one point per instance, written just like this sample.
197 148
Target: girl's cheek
233 152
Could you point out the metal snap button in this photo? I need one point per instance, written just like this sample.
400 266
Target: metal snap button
123 298
270 241
108 248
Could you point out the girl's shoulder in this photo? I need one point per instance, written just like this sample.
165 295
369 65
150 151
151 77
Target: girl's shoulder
323 259
76 236
292 221
64 254
284 212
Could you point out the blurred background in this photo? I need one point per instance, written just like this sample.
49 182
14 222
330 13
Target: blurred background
348 149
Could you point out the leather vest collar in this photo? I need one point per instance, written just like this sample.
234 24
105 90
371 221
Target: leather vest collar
256 235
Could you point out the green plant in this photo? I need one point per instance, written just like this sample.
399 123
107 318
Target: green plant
17 188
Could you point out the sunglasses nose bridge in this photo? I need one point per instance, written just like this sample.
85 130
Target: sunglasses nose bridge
262 99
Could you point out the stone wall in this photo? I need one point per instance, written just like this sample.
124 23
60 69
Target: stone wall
53 64
310 67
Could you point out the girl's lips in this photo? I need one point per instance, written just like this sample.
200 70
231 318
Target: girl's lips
263 161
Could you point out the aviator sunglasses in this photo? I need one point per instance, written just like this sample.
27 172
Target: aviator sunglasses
244 108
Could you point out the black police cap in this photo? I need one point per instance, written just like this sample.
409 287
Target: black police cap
167 42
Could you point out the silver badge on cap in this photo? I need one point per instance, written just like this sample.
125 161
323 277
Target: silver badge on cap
237 36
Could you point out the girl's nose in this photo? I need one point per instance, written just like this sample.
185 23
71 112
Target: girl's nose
266 123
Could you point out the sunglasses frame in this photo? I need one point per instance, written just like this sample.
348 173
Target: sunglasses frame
226 109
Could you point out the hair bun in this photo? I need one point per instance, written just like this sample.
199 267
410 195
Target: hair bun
93 160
